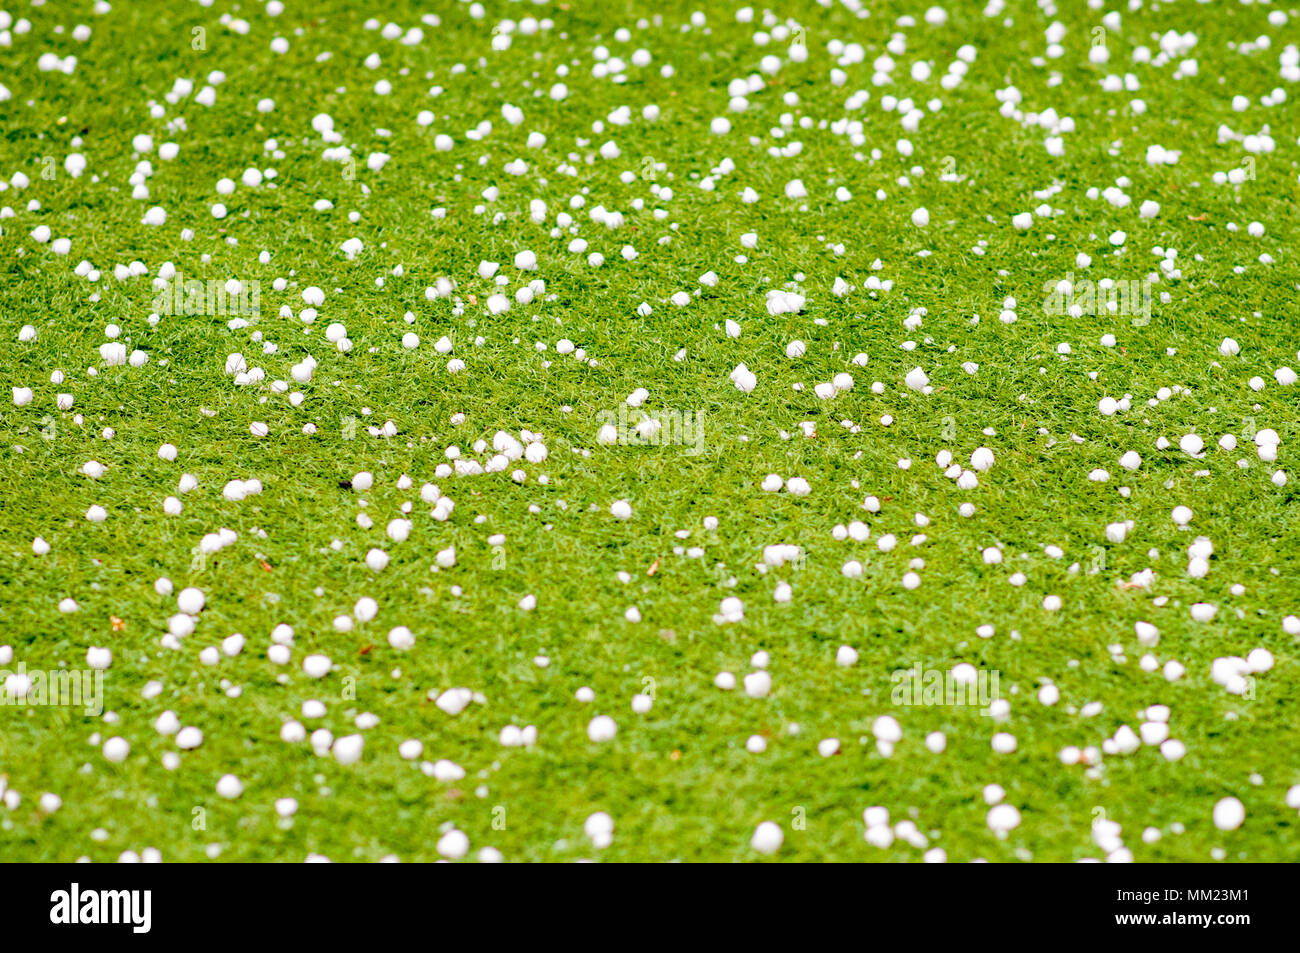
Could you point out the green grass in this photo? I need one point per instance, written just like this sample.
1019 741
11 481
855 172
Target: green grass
677 781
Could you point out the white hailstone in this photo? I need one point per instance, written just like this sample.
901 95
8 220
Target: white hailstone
744 379
828 747
599 827
1153 733
921 217
454 700
1004 743
798 486
1049 695
187 738
1229 813
886 728
602 728
723 680
348 749
1203 611
1147 634
642 703
365 609
1259 659
758 684
916 379
1131 460
453 845
768 838
399 529
317 666
1181 515
114 750
795 349
377 560
846 656
99 658
982 459
1003 818
401 638
96 514
621 509
1191 444
191 601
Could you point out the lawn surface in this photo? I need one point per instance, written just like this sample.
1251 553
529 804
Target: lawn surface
677 780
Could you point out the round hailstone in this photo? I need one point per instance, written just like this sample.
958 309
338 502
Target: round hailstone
1191 444
1003 818
230 787
191 601
189 738
317 666
921 217
455 700
453 845
916 379
758 684
602 728
768 838
115 749
1229 814
348 749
